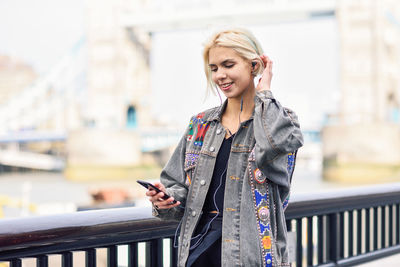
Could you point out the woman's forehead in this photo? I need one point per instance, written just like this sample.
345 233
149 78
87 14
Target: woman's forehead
218 54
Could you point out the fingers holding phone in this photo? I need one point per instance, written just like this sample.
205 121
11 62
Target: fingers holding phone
159 198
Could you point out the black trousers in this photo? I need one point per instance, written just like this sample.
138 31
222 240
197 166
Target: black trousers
211 257
208 251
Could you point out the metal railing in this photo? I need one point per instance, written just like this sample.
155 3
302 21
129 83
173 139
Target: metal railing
336 228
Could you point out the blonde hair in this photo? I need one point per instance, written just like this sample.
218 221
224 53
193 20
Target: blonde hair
241 41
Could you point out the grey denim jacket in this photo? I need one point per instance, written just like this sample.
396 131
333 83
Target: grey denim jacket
259 173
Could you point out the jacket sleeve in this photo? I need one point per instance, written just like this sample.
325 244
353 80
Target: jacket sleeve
277 133
173 178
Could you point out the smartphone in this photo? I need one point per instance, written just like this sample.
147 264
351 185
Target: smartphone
147 185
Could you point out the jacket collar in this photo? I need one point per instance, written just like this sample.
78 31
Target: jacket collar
216 114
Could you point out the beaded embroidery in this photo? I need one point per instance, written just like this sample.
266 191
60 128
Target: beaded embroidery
188 180
191 130
191 160
290 162
260 178
260 198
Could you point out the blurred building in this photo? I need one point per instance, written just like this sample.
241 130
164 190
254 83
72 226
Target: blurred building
14 77
362 145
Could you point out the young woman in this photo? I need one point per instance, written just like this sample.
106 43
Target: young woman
232 169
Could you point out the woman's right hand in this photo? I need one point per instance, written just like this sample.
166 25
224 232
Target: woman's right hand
156 198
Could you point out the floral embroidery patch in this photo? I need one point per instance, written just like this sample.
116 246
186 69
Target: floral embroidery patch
197 120
201 132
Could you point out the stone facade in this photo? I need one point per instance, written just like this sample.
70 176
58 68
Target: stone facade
363 144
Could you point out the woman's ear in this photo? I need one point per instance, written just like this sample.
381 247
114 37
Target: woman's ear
254 67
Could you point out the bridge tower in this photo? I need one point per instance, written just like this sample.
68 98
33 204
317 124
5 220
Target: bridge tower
118 92
361 144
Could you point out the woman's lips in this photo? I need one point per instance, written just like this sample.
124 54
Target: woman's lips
226 86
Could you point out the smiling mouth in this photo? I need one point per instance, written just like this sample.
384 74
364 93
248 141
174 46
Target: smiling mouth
226 86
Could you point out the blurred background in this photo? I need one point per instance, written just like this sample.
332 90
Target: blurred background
96 94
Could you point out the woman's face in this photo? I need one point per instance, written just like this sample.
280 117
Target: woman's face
230 72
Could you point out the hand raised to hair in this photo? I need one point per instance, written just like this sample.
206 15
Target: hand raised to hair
266 77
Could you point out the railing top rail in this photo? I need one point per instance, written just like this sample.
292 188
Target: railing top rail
352 192
339 200
136 224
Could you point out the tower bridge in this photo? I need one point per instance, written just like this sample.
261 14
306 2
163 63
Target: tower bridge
88 94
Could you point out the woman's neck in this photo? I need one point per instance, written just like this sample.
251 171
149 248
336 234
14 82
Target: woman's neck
237 112
243 105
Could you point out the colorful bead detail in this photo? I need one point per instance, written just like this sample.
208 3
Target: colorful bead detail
261 205
290 162
191 160
258 175
190 133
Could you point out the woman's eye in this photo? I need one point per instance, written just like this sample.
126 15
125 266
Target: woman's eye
213 70
229 66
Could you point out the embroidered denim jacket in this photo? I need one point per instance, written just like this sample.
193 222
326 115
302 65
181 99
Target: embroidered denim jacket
259 173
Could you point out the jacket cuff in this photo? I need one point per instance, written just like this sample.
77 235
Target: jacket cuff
262 95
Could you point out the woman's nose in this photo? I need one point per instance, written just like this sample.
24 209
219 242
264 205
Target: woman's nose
220 74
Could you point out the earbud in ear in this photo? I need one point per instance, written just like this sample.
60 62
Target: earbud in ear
253 64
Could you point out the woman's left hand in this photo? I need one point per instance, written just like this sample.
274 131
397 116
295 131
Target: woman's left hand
265 81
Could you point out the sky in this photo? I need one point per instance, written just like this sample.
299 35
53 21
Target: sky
40 32
305 55
305 71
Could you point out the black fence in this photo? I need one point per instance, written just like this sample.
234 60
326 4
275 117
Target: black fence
336 228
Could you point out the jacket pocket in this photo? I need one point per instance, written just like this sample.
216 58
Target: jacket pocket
191 159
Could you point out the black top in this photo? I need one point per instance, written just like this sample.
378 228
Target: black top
217 185
206 239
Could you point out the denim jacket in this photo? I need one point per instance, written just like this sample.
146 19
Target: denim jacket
260 168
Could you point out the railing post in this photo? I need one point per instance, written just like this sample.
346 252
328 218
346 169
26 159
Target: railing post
342 235
67 259
375 247
42 261
320 239
334 237
351 233
390 226
154 254
359 232
310 246
90 257
112 256
173 254
133 255
16 263
299 243
397 224
383 226
367 230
